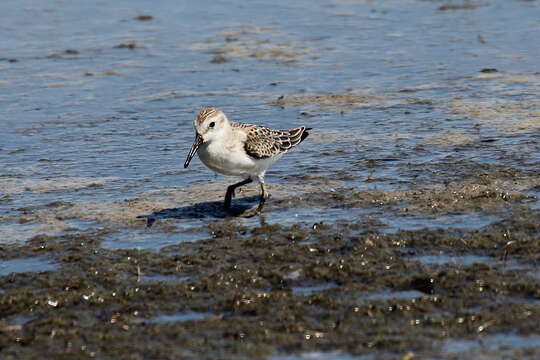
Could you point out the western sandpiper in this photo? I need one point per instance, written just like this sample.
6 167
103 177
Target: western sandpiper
240 149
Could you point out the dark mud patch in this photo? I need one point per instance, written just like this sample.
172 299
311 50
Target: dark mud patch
144 17
131 45
462 6
218 59
258 291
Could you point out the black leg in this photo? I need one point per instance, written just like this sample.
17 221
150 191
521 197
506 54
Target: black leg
230 192
257 211
264 196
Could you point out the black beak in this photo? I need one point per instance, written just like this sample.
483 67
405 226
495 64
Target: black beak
198 141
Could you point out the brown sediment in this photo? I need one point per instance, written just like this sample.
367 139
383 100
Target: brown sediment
254 42
262 290
144 17
449 138
462 6
127 45
334 101
218 59
504 116
351 100
489 192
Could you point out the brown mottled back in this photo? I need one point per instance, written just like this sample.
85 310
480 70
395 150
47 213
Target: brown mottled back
263 142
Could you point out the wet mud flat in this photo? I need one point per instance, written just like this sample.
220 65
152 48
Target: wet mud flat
342 289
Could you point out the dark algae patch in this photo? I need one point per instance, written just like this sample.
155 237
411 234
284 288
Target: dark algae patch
366 280
263 290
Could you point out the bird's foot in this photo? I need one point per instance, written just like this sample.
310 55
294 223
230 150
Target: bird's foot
255 211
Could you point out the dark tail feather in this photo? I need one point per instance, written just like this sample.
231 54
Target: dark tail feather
305 134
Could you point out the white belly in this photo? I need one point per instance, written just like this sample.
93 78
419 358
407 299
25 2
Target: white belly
233 161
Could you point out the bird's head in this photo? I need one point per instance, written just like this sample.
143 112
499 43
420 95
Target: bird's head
209 125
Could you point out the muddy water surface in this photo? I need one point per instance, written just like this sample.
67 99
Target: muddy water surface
406 226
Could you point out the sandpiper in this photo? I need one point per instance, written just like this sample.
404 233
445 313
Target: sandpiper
240 149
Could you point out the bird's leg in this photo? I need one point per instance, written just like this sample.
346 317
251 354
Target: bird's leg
264 196
262 200
230 192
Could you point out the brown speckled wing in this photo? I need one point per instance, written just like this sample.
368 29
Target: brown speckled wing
262 142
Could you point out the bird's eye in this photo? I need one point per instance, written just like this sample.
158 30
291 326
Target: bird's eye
212 124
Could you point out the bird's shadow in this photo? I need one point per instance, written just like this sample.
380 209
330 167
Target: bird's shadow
210 209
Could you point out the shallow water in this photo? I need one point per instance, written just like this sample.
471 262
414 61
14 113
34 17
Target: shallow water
167 278
461 221
389 295
492 343
311 290
179 317
145 238
443 259
25 265
322 355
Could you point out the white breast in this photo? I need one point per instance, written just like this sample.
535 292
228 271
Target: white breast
221 159
233 160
